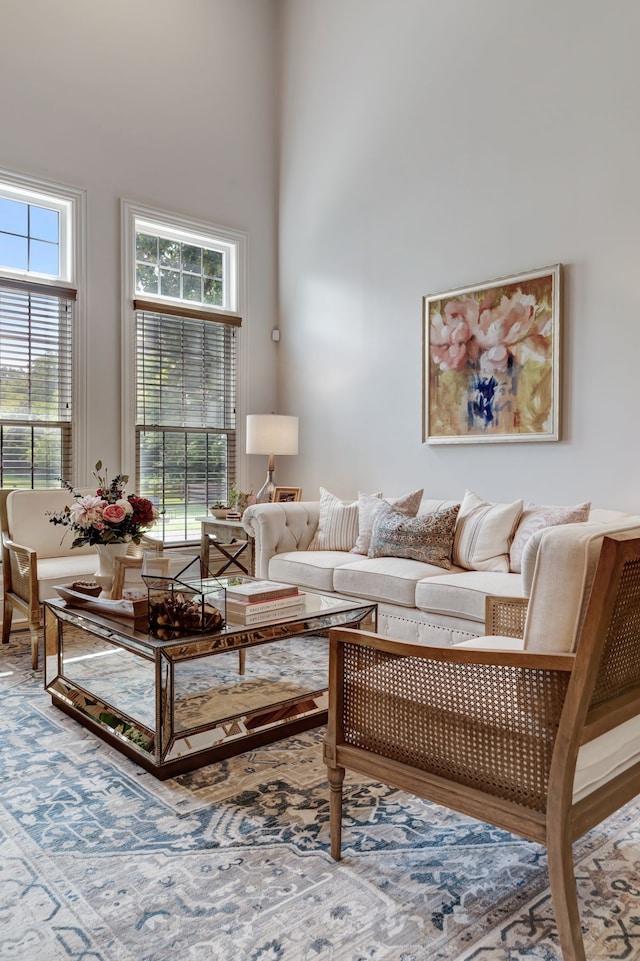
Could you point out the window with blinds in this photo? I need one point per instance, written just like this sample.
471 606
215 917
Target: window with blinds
36 325
39 225
185 412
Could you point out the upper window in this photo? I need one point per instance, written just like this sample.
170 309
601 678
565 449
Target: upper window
35 234
182 339
38 326
176 265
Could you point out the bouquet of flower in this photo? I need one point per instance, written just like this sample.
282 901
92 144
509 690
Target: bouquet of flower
110 516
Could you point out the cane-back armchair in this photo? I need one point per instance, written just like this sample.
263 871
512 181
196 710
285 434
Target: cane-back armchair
542 742
37 555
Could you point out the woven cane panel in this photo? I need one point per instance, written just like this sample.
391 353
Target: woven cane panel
20 574
486 726
506 617
620 662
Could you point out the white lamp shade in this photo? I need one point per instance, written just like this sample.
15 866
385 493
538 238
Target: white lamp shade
272 434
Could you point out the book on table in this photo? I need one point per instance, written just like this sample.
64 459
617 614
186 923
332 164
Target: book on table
247 614
259 607
260 590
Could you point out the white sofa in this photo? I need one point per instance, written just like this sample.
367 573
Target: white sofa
417 601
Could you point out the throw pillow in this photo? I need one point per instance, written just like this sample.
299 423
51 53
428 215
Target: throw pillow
368 507
535 517
484 532
337 526
427 537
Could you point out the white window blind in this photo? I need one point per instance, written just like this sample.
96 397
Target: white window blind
36 323
185 411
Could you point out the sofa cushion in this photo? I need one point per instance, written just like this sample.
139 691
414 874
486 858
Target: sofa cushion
390 580
337 526
368 507
427 538
484 532
311 569
429 505
536 516
463 594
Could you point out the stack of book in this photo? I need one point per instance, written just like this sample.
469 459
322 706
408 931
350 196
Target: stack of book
257 602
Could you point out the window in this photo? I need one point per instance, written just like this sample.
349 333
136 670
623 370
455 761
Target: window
38 265
185 295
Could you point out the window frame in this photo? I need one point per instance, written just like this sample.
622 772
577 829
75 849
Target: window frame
136 217
71 203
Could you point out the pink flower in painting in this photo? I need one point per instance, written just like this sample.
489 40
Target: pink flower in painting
500 329
114 514
452 344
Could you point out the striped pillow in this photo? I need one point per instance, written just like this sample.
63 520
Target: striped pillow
484 533
337 526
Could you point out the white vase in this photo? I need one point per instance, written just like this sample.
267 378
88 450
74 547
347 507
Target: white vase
106 567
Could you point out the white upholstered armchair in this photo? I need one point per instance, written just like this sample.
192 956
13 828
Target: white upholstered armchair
36 555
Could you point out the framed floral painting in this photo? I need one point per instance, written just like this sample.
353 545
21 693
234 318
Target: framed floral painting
492 361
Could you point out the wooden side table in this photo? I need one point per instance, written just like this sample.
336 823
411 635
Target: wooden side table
225 547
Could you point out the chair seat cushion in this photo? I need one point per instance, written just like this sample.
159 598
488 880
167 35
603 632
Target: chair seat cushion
605 757
463 594
493 642
63 570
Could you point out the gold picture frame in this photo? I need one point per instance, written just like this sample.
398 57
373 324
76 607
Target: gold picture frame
285 495
491 361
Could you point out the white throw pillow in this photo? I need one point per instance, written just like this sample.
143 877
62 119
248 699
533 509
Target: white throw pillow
338 524
368 508
484 532
535 517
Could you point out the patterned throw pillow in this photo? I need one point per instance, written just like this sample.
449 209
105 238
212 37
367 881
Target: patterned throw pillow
427 537
368 507
535 517
484 532
337 526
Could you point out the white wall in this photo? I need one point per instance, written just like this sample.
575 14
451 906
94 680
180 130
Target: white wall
427 145
164 103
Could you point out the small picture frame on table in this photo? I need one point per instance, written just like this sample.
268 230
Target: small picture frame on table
285 495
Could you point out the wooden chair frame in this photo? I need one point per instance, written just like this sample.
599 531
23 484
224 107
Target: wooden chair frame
389 719
19 583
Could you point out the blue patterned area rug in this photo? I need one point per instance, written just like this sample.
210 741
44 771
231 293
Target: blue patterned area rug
99 861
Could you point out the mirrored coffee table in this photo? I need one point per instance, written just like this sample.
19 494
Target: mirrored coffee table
176 705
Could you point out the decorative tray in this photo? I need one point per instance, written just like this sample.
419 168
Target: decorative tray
133 609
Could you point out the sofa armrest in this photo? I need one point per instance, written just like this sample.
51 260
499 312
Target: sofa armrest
277 528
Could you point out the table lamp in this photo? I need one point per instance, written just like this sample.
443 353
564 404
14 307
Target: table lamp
271 434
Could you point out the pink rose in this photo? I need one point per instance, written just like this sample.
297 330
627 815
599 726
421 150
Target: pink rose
113 514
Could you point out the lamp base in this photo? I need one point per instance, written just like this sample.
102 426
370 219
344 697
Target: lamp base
265 494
